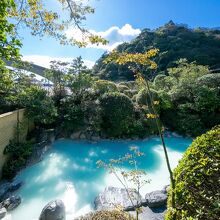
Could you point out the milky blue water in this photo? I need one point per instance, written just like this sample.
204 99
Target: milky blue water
69 172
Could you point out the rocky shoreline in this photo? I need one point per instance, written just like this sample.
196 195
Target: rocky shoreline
154 203
8 198
89 136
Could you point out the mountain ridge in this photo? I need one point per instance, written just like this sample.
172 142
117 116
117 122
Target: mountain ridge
174 41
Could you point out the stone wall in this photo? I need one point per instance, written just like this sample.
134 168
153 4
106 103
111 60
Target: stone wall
8 126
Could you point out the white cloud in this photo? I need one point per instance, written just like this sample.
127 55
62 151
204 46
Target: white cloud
45 60
114 35
126 31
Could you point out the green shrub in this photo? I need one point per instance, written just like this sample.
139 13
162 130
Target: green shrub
72 113
39 106
107 215
122 87
210 80
18 155
117 112
143 97
197 191
188 123
103 86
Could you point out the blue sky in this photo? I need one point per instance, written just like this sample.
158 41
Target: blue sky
120 21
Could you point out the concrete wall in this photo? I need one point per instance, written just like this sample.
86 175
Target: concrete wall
8 124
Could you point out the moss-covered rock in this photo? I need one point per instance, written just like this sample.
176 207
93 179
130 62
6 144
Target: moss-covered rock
197 192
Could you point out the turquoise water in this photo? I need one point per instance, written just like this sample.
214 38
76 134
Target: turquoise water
68 172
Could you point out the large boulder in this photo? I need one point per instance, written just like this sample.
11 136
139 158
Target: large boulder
150 213
156 198
75 135
113 196
11 203
54 210
15 185
6 188
95 138
3 213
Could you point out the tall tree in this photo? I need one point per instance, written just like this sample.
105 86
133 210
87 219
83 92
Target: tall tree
37 16
77 66
9 45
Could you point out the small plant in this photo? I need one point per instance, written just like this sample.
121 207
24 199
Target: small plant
107 215
18 155
135 176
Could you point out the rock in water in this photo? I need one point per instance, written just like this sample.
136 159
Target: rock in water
7 188
54 210
15 185
150 214
75 135
11 203
156 198
113 196
3 213
4 187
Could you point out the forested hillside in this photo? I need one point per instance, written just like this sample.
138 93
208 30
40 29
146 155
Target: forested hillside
174 42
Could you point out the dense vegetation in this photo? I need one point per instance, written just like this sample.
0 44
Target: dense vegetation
174 42
190 98
198 181
188 101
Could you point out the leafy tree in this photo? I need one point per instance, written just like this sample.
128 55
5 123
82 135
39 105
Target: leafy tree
43 21
73 115
77 66
40 108
191 95
6 91
80 111
58 75
79 83
117 113
207 103
197 180
9 45
9 49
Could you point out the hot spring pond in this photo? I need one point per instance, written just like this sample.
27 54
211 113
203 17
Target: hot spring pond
69 172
